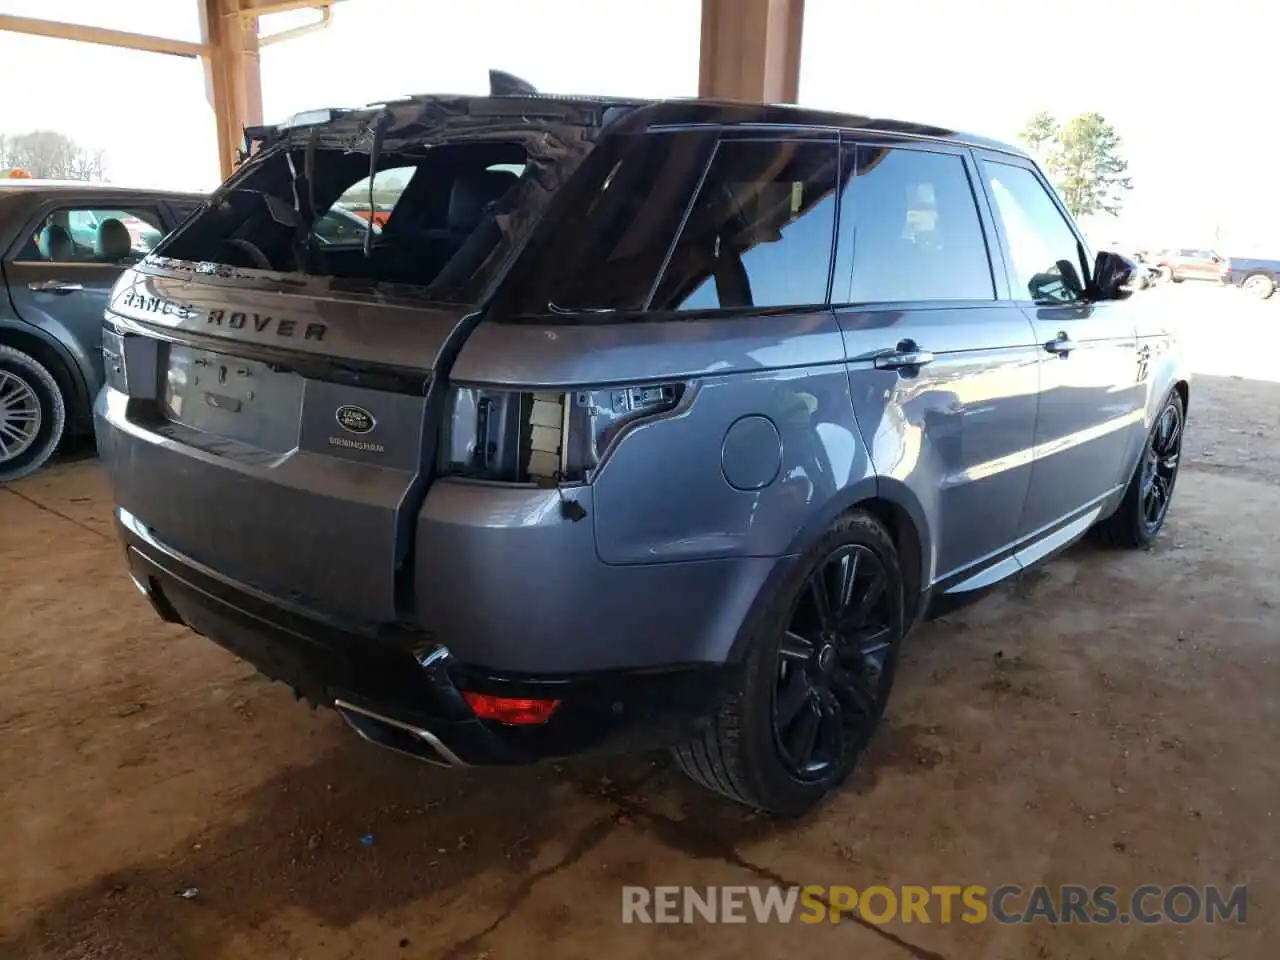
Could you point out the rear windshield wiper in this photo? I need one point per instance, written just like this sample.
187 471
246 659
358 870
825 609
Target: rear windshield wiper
304 218
375 154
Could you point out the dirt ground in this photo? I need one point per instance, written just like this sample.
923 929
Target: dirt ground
1111 718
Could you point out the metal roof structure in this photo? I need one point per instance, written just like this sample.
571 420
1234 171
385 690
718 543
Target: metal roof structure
750 51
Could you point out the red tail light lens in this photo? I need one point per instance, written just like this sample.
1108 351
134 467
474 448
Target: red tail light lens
517 711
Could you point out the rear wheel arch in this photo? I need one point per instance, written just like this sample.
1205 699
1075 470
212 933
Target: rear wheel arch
896 508
906 538
1184 391
54 358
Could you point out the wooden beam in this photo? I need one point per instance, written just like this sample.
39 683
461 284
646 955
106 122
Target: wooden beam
262 8
233 80
233 75
292 33
110 38
751 50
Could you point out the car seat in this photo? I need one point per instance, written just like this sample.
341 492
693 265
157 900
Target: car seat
113 241
57 244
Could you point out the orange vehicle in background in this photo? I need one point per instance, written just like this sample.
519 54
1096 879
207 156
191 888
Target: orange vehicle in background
380 216
1190 264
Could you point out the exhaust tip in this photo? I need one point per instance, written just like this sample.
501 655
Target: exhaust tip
396 735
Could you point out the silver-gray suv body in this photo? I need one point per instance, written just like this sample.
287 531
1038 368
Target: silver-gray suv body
637 424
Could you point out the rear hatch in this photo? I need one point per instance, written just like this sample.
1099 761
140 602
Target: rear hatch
276 379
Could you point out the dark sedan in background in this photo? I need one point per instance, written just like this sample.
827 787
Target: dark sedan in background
62 248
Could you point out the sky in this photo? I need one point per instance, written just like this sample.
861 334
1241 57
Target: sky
1189 86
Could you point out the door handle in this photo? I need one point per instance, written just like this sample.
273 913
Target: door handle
54 286
1060 345
905 354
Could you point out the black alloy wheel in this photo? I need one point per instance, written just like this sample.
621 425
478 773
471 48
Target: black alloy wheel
833 663
1145 506
816 674
1160 467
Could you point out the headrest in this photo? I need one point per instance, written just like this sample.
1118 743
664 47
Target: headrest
472 196
114 242
56 243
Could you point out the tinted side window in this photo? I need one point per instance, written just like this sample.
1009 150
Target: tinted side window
1044 251
603 244
917 234
760 232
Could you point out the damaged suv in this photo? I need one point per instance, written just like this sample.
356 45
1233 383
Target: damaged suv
636 424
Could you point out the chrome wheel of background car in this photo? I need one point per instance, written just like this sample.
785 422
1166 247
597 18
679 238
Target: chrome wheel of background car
20 416
831 663
1160 468
1259 286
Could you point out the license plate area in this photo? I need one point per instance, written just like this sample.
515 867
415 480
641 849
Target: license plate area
232 397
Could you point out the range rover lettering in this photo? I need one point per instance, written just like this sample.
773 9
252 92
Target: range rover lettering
686 412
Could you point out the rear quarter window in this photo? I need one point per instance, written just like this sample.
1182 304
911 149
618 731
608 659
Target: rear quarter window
759 233
604 242
681 222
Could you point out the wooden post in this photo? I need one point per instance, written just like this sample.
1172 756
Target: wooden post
751 50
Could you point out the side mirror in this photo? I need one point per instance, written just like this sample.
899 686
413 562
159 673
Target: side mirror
1115 277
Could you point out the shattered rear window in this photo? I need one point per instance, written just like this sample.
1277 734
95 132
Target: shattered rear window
432 218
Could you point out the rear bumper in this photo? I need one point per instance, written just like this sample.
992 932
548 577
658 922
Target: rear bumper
403 689
497 573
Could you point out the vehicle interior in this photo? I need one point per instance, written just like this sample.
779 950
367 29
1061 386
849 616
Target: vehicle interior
441 226
79 236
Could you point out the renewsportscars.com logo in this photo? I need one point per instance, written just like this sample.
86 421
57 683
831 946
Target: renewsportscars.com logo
1005 904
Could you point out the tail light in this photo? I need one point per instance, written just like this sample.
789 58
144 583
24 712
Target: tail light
597 418
113 360
526 436
129 363
517 711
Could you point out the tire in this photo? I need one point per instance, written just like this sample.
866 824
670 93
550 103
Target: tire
1164 272
29 395
1133 525
1259 285
751 753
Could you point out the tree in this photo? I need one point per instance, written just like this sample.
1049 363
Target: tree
1041 131
89 165
46 154
1083 159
